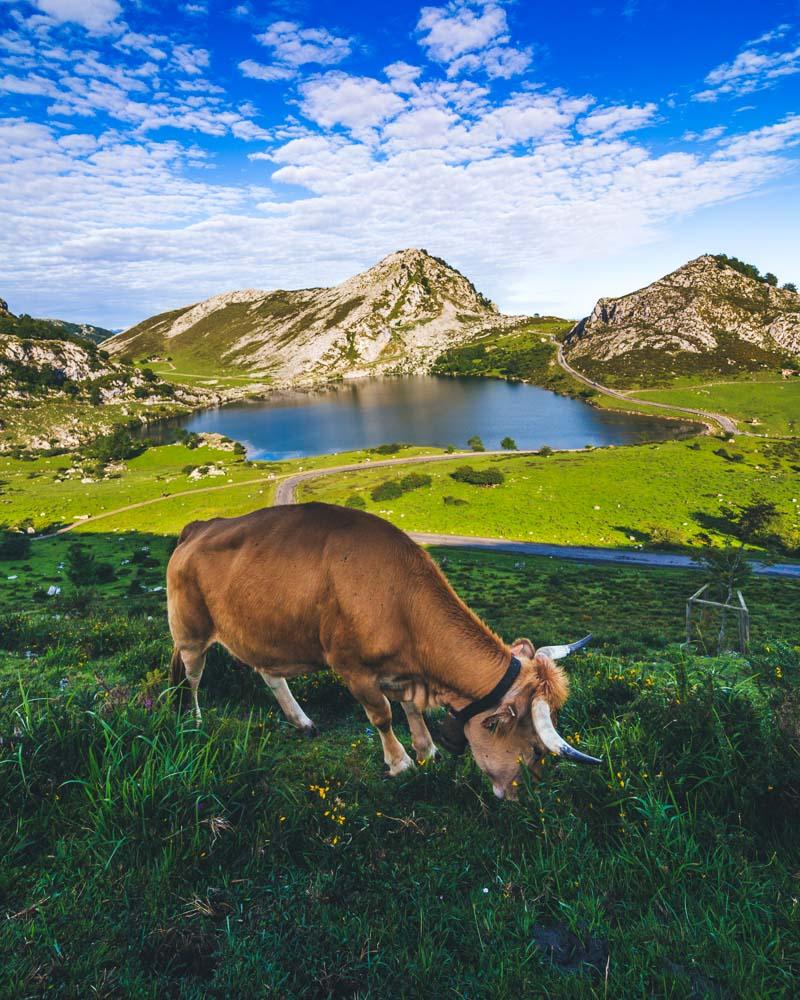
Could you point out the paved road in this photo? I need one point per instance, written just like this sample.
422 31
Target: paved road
286 494
708 418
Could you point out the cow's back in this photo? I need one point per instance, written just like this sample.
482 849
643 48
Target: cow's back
279 580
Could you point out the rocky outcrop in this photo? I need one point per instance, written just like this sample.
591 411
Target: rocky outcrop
704 316
397 317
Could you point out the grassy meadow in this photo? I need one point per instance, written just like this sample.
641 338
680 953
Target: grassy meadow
770 408
44 493
142 856
672 494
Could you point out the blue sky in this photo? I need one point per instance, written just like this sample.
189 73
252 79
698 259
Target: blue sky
153 154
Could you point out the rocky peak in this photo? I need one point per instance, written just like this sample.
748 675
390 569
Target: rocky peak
705 316
4 311
398 315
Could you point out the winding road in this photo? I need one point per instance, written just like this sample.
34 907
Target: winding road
726 423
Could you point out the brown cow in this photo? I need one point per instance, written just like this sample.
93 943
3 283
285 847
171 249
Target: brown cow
294 589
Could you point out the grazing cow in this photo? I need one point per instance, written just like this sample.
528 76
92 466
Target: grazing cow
294 589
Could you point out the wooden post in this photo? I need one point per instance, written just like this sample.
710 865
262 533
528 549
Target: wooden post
739 608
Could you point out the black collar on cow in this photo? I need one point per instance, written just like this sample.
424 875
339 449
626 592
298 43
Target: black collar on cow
491 699
451 731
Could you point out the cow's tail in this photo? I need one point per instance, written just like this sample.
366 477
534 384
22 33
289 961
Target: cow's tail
178 679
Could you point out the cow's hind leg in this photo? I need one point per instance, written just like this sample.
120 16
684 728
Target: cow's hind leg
293 712
193 663
424 747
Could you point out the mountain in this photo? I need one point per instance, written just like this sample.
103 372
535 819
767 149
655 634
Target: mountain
29 328
706 318
86 331
396 317
59 389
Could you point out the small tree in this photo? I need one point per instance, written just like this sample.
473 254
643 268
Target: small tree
476 444
790 286
771 279
509 444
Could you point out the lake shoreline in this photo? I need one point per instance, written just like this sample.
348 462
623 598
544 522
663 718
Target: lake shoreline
433 411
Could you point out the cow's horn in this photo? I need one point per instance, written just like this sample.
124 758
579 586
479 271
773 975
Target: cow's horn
559 652
550 738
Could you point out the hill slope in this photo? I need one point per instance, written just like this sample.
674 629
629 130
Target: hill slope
398 316
61 390
86 331
705 318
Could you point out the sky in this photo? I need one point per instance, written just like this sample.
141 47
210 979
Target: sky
153 153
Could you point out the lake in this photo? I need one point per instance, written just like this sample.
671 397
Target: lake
424 410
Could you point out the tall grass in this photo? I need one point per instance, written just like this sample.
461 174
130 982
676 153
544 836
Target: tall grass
142 855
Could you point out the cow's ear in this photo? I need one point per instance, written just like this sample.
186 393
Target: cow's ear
523 647
501 720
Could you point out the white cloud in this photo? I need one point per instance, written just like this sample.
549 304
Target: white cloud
471 35
708 135
150 45
296 46
754 68
403 76
257 71
190 59
356 102
617 120
95 15
760 142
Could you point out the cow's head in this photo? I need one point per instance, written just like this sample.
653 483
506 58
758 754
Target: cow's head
520 731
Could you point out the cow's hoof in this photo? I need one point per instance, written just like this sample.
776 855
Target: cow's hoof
404 764
309 732
427 756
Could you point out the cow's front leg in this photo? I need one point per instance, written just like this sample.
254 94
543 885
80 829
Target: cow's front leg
293 712
424 747
379 713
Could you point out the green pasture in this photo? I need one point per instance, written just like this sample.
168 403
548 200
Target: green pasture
142 856
672 494
763 407
43 492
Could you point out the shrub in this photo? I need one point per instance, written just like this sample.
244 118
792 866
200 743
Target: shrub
478 477
414 481
729 456
355 501
545 450
387 490
14 544
476 444
83 569
664 537
509 444
387 449
454 501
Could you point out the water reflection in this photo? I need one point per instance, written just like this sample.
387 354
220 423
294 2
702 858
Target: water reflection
421 410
